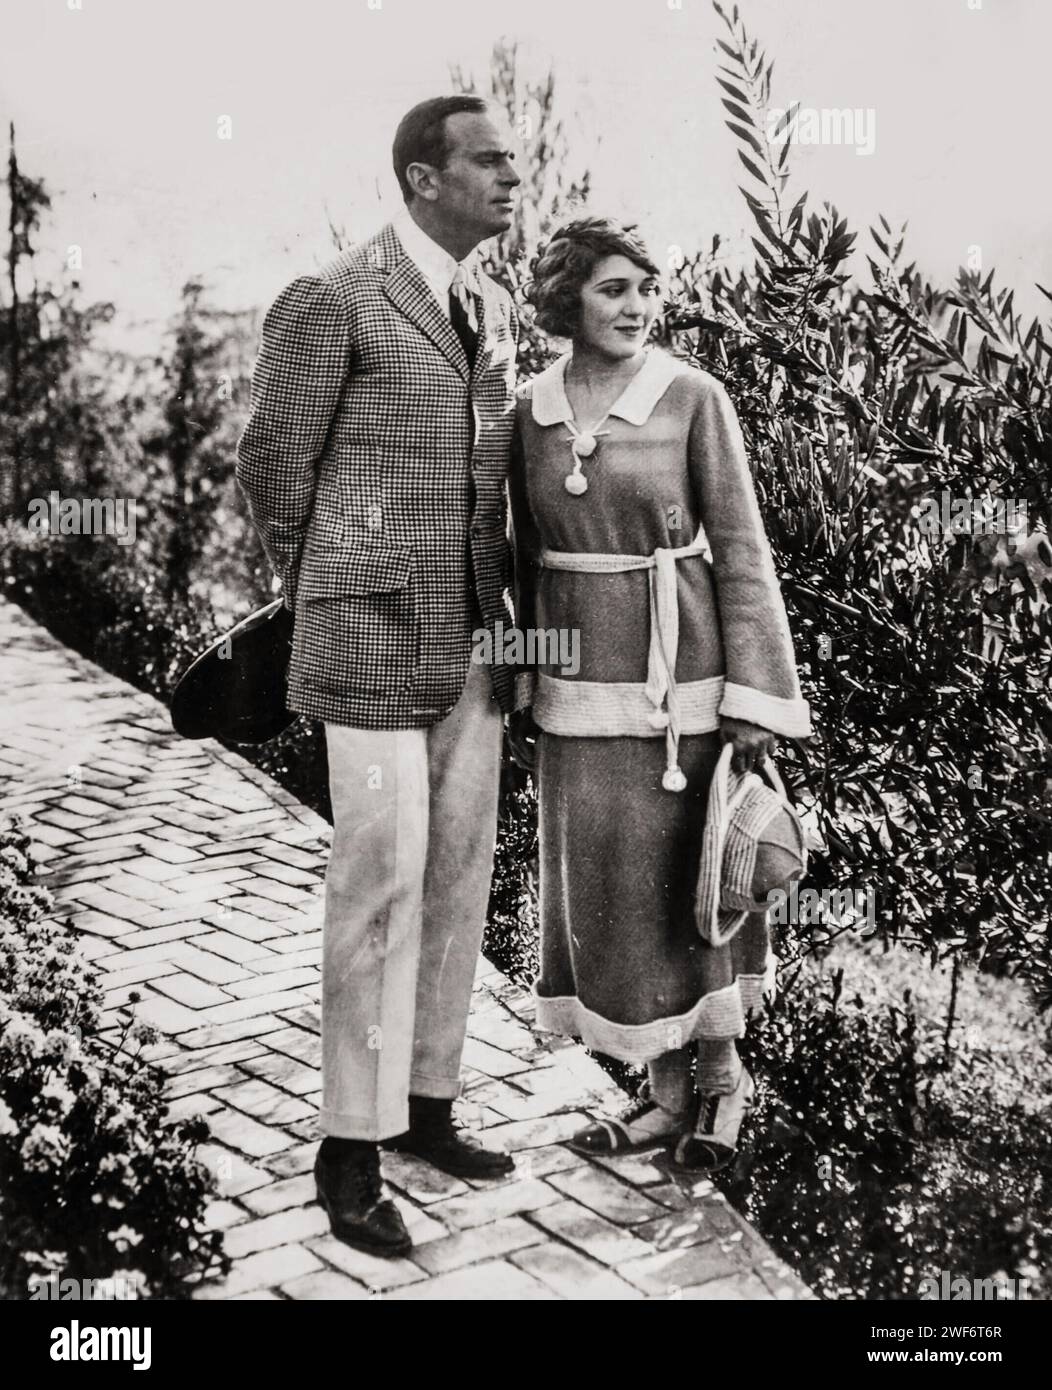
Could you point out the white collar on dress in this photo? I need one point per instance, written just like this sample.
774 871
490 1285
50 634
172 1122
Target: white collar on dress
634 405
434 262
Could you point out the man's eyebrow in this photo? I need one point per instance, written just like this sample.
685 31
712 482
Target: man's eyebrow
485 153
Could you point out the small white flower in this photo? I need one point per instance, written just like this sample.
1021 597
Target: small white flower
44 1147
124 1237
62 1044
23 1037
58 1091
122 1115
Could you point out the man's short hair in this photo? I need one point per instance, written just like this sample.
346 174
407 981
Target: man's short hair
421 134
566 263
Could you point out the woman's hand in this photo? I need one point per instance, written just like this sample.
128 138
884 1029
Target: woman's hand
751 743
522 735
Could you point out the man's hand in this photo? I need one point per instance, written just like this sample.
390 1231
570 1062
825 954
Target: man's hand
522 735
751 743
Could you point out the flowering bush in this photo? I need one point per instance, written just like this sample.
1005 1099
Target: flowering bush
94 1183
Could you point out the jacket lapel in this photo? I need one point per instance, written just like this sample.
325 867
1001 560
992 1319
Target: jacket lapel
482 350
407 290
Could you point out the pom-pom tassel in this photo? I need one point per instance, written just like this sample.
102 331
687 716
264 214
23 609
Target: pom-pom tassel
674 779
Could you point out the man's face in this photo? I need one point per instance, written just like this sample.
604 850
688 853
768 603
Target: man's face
475 189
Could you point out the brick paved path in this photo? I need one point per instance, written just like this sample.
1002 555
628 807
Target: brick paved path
196 881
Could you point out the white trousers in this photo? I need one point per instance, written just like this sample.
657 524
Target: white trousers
406 890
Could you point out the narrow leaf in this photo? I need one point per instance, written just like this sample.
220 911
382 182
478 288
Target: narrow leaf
747 136
756 173
787 115
738 112
736 92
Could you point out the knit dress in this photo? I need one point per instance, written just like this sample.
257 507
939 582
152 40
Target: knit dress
663 647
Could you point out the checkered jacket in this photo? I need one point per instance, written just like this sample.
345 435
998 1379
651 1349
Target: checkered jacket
374 468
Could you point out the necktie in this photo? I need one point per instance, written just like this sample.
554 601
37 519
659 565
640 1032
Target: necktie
462 315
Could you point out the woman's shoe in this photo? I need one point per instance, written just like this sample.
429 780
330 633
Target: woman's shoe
641 1125
713 1142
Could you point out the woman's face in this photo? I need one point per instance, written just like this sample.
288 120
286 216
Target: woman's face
619 301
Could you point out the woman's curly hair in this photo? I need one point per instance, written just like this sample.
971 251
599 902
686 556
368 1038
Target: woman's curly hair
567 261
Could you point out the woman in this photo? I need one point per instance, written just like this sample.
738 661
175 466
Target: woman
626 461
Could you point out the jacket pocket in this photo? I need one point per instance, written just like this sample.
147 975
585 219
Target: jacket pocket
357 629
339 570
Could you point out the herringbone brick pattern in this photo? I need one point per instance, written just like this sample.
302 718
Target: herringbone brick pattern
195 883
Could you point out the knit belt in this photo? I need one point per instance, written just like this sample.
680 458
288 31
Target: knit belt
664 632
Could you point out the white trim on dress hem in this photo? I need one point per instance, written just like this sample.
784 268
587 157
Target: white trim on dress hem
721 1014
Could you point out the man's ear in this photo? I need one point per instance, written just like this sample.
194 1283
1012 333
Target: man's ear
421 179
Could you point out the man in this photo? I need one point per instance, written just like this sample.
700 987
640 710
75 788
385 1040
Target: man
374 465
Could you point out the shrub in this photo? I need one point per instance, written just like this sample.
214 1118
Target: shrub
925 652
94 1182
511 922
868 1163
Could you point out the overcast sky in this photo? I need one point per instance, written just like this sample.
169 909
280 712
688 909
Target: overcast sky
117 106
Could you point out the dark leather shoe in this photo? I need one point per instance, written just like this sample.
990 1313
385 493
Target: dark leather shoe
434 1136
350 1192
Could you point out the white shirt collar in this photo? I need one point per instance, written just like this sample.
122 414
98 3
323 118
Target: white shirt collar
635 404
435 263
